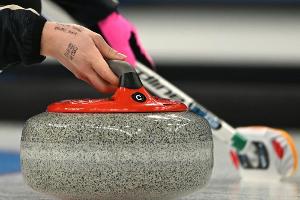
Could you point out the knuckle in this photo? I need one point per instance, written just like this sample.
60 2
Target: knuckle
79 76
111 51
90 78
99 36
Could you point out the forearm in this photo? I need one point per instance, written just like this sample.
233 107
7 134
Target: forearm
20 36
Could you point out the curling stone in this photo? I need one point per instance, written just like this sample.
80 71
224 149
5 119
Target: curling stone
130 146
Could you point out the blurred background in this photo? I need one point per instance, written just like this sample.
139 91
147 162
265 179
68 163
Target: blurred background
240 59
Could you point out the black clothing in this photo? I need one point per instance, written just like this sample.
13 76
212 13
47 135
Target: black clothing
20 36
88 12
21 30
34 4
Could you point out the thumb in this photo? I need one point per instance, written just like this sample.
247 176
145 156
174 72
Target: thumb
106 50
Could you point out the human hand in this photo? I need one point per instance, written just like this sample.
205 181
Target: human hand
123 36
83 52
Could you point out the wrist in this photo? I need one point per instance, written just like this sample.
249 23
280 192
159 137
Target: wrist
46 39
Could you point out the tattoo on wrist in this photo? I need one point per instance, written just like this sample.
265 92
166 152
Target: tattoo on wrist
66 28
76 28
71 51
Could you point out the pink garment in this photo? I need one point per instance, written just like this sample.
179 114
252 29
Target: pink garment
117 31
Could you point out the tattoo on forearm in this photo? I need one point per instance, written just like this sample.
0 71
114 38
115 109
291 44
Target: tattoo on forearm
66 28
72 32
71 51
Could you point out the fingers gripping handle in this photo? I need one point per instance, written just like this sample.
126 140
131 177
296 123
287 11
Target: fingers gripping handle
120 67
126 73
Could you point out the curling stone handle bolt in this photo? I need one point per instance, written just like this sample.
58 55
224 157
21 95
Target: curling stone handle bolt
126 73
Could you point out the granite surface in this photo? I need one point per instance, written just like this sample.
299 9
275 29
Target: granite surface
117 156
224 184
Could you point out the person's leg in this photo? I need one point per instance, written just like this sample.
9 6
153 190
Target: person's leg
102 17
122 35
88 12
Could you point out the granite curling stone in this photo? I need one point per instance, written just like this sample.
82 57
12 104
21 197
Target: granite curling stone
131 146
